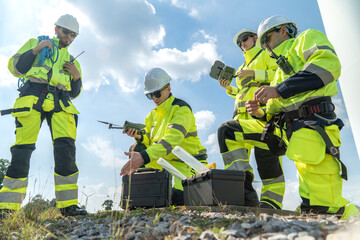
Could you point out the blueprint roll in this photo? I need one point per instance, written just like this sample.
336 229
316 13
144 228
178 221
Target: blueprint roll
189 160
171 169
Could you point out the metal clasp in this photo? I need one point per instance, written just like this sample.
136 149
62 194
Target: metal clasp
51 88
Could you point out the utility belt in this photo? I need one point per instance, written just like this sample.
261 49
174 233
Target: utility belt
41 90
313 110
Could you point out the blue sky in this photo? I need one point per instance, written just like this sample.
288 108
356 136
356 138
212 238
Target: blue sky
122 40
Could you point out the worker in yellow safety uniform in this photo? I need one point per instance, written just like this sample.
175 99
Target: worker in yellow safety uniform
171 123
299 109
257 70
50 83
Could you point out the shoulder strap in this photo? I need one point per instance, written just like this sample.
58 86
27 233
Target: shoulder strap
331 149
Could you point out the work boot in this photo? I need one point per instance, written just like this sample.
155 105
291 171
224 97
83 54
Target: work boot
72 210
268 205
350 210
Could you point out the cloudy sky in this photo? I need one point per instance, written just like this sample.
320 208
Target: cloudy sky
122 39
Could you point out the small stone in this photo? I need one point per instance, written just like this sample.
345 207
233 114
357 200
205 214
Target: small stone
278 237
265 217
292 236
235 233
208 235
246 225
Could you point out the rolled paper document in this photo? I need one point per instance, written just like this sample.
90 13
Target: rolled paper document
189 160
171 169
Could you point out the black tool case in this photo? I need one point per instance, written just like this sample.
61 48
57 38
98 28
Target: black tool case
215 187
148 188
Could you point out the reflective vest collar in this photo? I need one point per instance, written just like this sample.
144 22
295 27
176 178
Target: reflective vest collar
162 108
250 54
285 45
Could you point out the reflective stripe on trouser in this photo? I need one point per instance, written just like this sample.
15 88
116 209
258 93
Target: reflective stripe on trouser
66 190
63 132
12 193
271 173
235 137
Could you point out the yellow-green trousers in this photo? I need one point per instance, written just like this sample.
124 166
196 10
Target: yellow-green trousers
236 138
63 131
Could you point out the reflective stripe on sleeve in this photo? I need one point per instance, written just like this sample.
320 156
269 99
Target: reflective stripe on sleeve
166 145
322 73
179 127
308 53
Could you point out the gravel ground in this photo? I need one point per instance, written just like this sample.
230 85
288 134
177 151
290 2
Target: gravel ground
185 224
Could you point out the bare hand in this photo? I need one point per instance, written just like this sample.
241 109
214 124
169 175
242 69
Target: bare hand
225 83
253 108
133 164
41 45
263 94
70 68
132 132
245 73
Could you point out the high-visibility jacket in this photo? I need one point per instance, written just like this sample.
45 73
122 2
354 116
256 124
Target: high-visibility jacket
316 68
311 52
168 125
264 66
60 79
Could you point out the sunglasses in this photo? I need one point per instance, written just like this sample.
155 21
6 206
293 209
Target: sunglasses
244 39
68 32
156 94
265 39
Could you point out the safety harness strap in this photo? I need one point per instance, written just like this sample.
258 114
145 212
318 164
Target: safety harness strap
12 110
330 148
308 111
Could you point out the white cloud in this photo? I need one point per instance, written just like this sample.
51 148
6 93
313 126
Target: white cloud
185 65
183 5
212 144
204 119
103 149
291 198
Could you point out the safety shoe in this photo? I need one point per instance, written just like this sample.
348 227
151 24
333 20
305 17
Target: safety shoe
267 205
72 210
350 210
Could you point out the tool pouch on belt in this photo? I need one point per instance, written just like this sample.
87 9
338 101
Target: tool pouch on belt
23 106
275 143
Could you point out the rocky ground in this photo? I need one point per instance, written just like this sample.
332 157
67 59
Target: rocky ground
203 223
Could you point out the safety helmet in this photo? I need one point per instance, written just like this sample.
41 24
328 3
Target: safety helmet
69 22
270 24
155 79
240 35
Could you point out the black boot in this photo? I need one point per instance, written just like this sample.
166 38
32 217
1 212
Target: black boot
251 198
72 210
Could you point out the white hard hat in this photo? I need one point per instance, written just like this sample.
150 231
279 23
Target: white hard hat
240 35
269 24
155 79
69 22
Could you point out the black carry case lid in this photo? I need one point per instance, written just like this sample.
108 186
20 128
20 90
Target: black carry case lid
216 174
